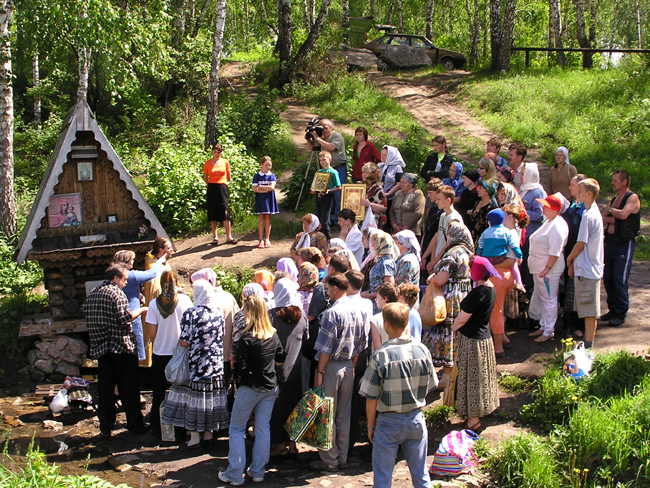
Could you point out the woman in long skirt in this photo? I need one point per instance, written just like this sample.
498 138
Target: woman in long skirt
201 406
477 391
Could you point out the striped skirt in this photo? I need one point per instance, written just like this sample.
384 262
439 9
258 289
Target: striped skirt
202 406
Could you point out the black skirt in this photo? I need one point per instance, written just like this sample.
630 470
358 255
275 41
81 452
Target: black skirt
218 202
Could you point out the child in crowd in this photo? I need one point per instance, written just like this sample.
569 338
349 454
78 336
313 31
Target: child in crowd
499 243
438 245
386 293
325 199
265 202
494 146
409 294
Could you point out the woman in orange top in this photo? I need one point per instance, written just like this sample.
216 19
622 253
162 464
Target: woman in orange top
216 174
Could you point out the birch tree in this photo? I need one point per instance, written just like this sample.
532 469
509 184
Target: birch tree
215 66
555 30
7 196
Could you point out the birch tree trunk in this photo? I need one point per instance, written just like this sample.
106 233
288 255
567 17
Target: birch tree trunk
555 28
213 91
36 81
178 24
473 19
508 34
345 6
312 37
429 20
400 16
312 13
7 196
389 14
372 8
83 54
496 35
285 33
581 34
305 15
638 24
486 28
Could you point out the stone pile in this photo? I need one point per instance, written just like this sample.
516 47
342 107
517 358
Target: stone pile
56 357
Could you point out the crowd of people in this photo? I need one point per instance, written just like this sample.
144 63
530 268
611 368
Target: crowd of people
347 313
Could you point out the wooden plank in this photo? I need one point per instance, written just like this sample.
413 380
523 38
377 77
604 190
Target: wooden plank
43 325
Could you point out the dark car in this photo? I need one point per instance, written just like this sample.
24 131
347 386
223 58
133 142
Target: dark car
449 59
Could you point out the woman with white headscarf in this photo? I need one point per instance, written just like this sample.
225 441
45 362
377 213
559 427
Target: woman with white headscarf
391 168
530 191
202 406
309 237
293 329
408 264
561 174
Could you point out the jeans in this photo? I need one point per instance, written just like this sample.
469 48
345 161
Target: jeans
618 262
246 401
343 177
323 208
136 325
408 430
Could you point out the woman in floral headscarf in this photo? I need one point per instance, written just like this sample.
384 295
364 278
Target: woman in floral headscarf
385 268
163 323
452 273
202 406
408 264
307 281
310 237
408 206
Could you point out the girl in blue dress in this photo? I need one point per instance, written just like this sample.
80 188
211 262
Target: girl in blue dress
265 202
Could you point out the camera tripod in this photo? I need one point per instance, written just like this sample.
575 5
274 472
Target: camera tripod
314 152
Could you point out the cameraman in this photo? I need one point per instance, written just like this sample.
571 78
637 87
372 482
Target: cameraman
334 143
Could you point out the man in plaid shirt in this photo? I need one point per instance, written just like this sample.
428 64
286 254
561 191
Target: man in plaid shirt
396 383
112 343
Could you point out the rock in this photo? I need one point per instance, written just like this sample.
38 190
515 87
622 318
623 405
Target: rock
24 371
61 342
44 365
325 483
37 375
76 346
33 356
17 401
123 462
52 424
404 57
67 369
71 358
49 348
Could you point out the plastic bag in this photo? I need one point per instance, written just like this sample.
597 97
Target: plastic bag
369 221
433 308
304 415
454 455
321 432
60 401
178 367
577 362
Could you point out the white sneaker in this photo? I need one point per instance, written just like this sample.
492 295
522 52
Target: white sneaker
255 480
223 479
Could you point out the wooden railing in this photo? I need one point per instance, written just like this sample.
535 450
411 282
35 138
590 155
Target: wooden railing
527 50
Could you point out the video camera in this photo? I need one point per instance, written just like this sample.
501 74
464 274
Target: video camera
313 126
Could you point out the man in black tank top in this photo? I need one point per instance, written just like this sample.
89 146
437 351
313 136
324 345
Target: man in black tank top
622 219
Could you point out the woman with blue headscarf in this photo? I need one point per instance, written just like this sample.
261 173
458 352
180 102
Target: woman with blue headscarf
455 179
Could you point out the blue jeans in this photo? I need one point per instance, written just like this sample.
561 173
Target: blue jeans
343 176
246 401
618 263
400 429
136 326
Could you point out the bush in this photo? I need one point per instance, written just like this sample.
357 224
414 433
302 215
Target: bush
555 396
438 414
513 383
176 191
15 278
233 279
615 374
12 310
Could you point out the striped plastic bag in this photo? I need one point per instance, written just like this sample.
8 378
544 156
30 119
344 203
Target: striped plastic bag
454 455
305 413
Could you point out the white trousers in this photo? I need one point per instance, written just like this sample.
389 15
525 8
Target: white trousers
543 304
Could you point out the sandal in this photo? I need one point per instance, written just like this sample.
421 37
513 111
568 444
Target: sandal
261 245
215 242
267 243
474 427
231 241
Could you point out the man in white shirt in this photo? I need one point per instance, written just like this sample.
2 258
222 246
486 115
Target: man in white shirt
445 202
516 154
586 261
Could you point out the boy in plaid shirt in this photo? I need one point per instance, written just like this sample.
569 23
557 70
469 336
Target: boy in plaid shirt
396 383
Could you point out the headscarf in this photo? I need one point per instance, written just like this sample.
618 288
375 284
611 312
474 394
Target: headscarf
393 158
490 165
354 264
407 239
507 173
204 295
512 195
206 274
483 269
490 186
289 266
305 239
308 277
265 278
285 292
168 298
251 289
459 235
412 178
565 151
338 242
384 244
565 203
530 180
457 181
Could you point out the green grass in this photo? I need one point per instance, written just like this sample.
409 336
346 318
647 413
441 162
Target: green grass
601 116
513 384
438 414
